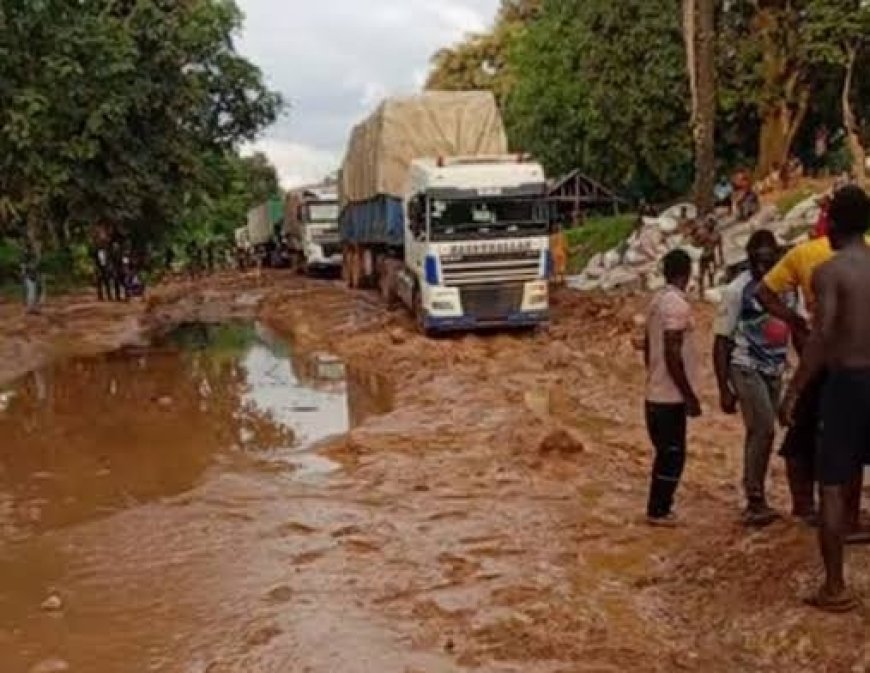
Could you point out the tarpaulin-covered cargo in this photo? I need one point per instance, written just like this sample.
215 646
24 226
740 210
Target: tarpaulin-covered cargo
375 169
432 124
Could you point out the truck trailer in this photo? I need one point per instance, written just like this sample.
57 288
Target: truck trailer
436 213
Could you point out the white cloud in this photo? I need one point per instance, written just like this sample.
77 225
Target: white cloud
334 60
298 164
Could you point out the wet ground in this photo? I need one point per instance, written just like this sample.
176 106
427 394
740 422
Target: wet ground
352 497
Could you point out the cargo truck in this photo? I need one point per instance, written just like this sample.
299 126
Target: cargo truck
437 214
311 229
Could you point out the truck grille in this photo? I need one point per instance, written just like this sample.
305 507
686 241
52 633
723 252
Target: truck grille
491 270
491 302
330 249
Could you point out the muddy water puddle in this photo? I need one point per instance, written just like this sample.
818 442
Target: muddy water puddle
145 497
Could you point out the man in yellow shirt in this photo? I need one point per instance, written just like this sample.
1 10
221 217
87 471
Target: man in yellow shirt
795 272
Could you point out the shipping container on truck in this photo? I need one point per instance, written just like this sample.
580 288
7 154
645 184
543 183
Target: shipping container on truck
436 212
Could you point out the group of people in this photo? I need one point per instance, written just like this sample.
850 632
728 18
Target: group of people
825 407
116 274
737 196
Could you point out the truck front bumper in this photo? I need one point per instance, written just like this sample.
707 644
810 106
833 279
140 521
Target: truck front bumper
470 322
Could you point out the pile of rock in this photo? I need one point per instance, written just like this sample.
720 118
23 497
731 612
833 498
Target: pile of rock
635 264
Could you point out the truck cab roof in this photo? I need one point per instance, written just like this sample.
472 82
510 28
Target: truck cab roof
491 176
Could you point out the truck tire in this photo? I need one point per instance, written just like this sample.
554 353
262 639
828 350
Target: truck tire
345 266
386 283
418 314
356 269
350 267
298 264
367 268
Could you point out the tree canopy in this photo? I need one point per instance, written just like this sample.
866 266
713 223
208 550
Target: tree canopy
605 86
117 111
602 86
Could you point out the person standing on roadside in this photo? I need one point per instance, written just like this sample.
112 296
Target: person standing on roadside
840 347
671 360
102 273
210 256
792 273
32 281
749 356
116 270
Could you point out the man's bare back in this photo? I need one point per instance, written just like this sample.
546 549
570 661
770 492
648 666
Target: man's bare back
843 287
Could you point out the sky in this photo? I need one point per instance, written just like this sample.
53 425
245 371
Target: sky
334 60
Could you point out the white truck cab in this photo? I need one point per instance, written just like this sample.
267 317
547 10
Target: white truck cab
476 243
312 229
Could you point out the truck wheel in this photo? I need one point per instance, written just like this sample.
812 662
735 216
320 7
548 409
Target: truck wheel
367 272
356 270
350 268
418 314
345 266
386 284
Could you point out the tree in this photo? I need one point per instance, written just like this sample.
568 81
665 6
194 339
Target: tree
261 178
233 185
775 57
838 32
699 35
480 61
602 86
111 109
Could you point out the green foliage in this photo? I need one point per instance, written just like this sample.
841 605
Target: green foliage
597 235
602 86
10 259
112 111
233 186
481 60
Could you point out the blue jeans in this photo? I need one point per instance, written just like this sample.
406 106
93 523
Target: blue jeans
759 399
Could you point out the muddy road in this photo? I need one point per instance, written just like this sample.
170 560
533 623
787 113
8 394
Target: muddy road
282 476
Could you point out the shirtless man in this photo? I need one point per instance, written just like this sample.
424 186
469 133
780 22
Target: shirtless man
840 345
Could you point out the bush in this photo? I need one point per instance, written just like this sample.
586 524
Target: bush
596 235
10 259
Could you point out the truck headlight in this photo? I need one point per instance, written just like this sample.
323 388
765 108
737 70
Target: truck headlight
536 296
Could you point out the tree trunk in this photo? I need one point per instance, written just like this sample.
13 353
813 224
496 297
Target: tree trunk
699 34
34 239
705 120
785 94
850 124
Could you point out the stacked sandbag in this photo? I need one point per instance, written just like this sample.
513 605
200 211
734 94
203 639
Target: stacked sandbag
635 263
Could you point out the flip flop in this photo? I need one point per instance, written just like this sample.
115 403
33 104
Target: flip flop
846 602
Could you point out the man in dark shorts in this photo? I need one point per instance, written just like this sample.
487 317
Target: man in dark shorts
840 345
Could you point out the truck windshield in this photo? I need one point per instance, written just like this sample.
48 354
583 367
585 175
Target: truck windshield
323 212
488 218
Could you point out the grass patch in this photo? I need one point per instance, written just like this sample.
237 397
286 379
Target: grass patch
598 234
788 201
